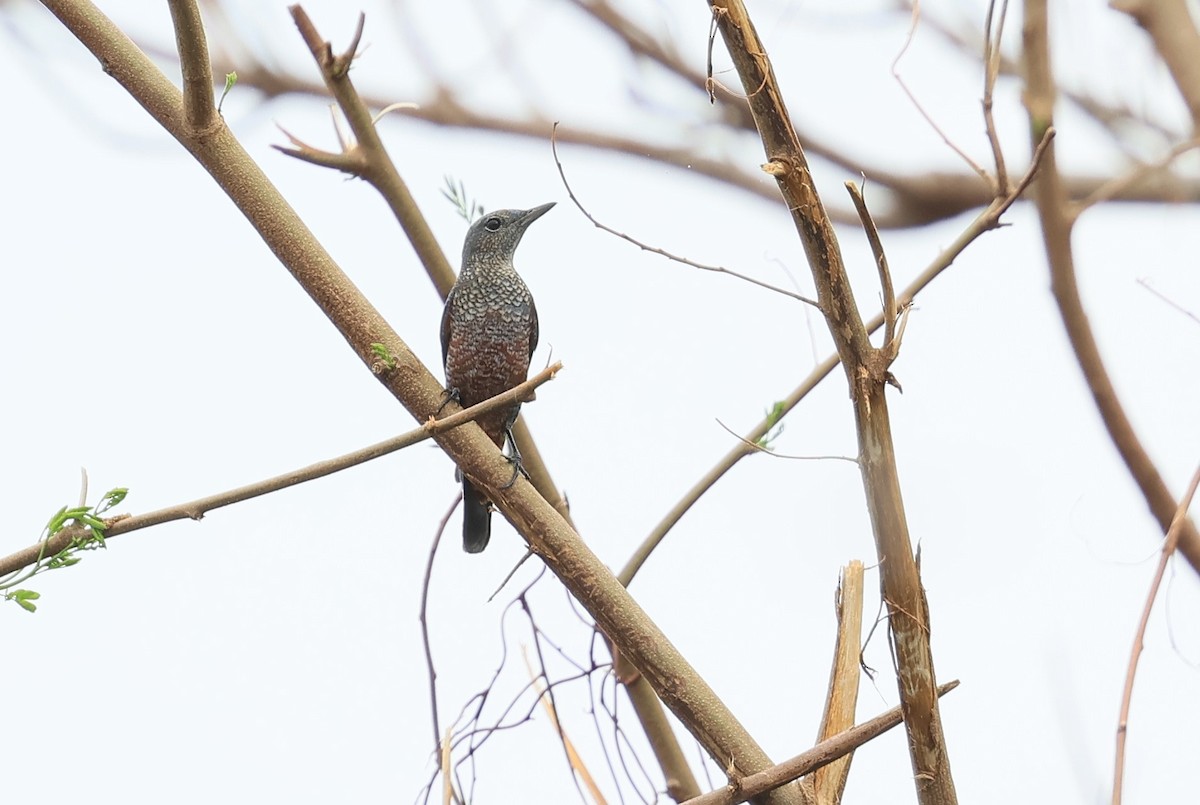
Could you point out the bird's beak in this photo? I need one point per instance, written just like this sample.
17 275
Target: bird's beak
537 212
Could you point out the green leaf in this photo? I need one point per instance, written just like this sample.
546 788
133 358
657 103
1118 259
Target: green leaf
384 355
95 523
25 599
112 497
773 415
61 561
456 194
230 80
56 522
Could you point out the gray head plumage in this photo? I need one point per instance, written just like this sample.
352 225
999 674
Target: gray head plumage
493 239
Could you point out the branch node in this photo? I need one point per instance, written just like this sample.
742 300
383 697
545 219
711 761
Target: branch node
776 168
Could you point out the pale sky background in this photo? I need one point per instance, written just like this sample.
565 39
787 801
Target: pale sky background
271 652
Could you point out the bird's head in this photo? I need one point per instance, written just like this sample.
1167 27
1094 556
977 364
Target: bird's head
495 236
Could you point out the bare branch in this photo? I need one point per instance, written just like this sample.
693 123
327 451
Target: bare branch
1051 198
912 30
196 509
988 220
842 699
1173 30
991 71
198 104
1118 184
378 168
807 762
654 249
867 375
423 618
890 346
758 448
1169 544
1166 299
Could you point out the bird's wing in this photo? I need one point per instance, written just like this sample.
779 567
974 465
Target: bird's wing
446 325
533 330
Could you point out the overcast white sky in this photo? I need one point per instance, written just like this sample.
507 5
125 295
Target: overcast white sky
272 652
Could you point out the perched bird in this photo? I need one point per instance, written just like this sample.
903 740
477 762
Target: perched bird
489 333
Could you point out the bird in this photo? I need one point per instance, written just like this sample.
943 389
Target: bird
489 333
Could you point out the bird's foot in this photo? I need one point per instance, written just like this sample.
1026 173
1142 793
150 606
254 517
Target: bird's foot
518 468
447 396
515 458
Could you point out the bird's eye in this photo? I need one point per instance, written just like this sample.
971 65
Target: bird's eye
492 224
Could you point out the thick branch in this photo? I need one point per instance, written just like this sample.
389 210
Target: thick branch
676 682
194 65
987 220
866 372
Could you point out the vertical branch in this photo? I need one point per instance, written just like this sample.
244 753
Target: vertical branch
830 781
867 373
198 107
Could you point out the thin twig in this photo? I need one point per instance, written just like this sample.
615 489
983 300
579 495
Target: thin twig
986 221
1117 185
758 448
912 30
1139 638
423 618
991 71
890 346
825 752
196 509
655 249
1164 298
350 160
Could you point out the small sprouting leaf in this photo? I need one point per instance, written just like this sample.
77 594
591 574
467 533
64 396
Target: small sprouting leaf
773 415
61 560
230 80
112 497
456 194
95 523
57 521
25 599
384 355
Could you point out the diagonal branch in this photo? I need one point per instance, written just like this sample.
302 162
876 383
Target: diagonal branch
654 249
1052 207
196 509
1169 544
986 221
825 752
638 638
1172 27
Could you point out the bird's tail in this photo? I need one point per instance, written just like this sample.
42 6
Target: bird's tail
477 519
